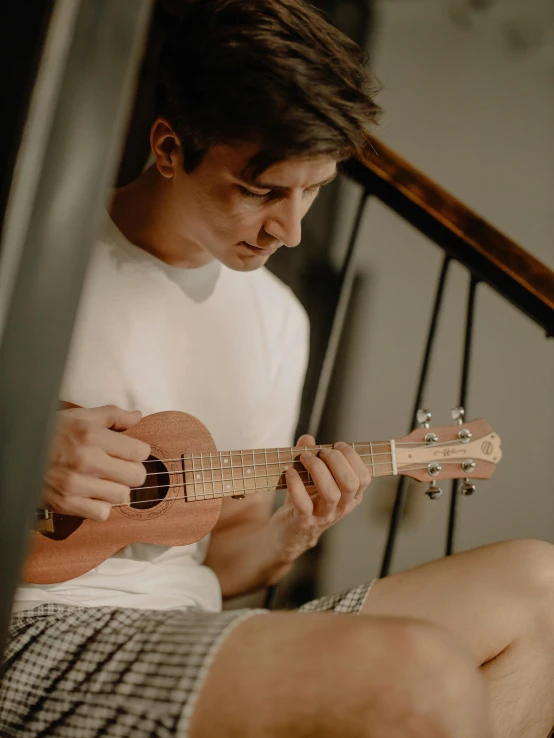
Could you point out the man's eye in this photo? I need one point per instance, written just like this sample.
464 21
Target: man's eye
254 195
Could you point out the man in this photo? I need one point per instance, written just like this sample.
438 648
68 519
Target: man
260 100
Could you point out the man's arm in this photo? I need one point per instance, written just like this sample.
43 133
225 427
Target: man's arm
241 552
251 548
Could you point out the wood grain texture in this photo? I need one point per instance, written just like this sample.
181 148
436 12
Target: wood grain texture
173 522
490 255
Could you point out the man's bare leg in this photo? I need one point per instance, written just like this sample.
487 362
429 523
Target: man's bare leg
500 600
292 675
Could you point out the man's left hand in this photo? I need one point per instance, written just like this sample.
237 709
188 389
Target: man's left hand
340 478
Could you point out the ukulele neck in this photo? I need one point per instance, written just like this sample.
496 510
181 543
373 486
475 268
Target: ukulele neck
238 473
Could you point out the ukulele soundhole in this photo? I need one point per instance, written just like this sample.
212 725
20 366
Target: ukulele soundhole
155 486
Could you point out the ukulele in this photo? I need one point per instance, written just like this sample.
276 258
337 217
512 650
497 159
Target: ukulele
187 479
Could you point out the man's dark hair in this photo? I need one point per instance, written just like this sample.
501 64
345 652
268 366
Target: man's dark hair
271 72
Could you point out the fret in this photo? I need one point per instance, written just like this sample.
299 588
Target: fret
194 480
266 468
292 460
237 474
273 467
202 479
226 474
255 470
217 476
248 471
302 469
207 476
185 478
259 462
383 466
371 459
280 469
199 478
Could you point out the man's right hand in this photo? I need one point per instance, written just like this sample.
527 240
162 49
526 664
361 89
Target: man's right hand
92 467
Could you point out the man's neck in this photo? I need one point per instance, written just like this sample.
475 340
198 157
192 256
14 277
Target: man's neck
144 212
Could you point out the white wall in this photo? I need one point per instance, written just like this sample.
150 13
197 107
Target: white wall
479 119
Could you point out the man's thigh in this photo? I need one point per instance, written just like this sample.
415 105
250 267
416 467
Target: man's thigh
298 674
481 595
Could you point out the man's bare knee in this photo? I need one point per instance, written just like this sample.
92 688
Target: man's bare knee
324 675
434 680
529 561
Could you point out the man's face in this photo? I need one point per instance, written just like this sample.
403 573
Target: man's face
222 215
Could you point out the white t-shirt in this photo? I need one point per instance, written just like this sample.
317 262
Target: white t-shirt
227 347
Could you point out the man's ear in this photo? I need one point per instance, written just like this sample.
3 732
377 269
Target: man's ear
165 146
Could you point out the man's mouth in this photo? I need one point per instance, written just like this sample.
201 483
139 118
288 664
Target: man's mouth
260 250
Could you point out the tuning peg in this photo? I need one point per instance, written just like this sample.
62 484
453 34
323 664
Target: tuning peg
467 487
423 417
458 414
433 492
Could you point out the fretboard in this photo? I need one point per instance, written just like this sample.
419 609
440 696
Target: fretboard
238 473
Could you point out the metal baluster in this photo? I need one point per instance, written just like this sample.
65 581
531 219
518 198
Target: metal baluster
67 159
346 281
450 537
400 499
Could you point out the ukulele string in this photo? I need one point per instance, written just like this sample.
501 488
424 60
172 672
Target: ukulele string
228 493
234 492
269 463
200 479
218 455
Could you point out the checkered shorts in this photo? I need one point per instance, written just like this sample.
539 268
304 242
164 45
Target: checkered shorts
117 672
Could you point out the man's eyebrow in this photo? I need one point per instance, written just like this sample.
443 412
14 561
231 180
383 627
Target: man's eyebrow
280 188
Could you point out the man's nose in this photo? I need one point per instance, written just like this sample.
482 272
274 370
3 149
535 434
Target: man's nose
284 222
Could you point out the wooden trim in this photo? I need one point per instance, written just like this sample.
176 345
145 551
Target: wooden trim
490 255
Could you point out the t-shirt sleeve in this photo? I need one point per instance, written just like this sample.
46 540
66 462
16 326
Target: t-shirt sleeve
278 417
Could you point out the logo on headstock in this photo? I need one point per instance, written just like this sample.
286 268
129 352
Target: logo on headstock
455 451
487 448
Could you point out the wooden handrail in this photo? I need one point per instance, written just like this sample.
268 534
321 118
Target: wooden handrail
486 252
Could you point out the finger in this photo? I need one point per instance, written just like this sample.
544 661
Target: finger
298 493
71 484
121 446
80 507
357 464
328 492
97 463
343 474
112 416
306 441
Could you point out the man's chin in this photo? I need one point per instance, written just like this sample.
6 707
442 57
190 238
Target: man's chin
245 262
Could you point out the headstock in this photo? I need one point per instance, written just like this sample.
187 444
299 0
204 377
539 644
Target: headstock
467 450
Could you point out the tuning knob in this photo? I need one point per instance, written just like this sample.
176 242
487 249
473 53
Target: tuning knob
423 417
433 492
467 487
458 414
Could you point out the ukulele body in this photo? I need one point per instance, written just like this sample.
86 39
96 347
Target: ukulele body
76 546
